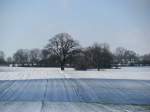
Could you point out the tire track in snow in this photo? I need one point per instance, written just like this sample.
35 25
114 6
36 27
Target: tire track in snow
44 96
78 90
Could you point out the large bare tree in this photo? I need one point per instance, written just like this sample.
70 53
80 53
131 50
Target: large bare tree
62 45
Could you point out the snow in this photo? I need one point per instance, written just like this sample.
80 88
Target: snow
77 90
18 73
67 107
52 90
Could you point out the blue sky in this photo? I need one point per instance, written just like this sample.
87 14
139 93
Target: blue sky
31 23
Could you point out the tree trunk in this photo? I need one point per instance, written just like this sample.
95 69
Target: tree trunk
63 63
98 67
62 66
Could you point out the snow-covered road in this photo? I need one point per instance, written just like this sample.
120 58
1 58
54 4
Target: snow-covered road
50 90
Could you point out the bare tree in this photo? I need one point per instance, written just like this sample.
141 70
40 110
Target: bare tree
130 57
125 57
62 45
107 57
35 56
98 56
102 57
45 54
145 59
80 61
9 60
93 56
21 57
119 55
2 57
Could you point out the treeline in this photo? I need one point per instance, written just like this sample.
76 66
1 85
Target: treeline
63 51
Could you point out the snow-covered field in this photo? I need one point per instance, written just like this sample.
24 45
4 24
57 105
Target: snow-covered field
12 73
51 90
